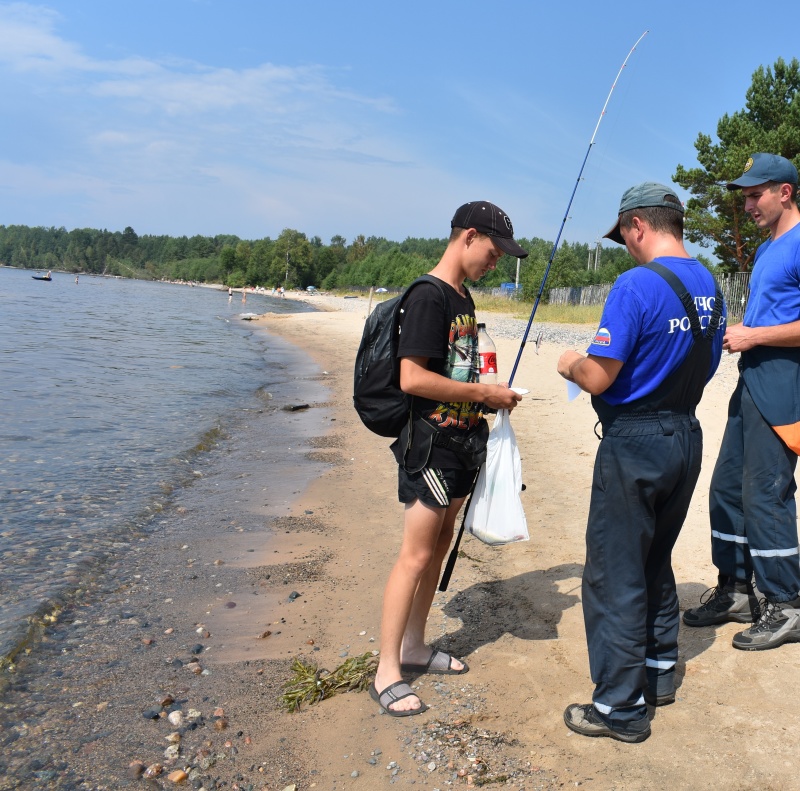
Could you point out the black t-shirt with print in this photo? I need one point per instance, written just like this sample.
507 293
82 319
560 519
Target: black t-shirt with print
451 345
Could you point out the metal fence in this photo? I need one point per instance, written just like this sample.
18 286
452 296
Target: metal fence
735 290
733 287
585 295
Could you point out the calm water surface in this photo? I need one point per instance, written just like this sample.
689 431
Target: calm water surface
106 387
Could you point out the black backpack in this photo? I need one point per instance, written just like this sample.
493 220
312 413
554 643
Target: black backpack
382 406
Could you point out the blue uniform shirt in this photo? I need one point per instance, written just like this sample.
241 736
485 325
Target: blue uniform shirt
772 373
645 326
775 286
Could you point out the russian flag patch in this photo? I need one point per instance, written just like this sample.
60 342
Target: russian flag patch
602 337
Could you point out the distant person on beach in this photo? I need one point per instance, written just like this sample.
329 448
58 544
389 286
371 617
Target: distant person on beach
439 456
752 498
76 280
659 342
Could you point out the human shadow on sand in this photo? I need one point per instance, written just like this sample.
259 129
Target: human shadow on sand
528 606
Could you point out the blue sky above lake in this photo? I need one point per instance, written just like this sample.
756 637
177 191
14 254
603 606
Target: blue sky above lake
248 117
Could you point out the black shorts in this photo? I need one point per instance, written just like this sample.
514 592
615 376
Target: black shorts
434 487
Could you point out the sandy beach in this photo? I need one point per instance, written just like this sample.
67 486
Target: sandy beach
209 611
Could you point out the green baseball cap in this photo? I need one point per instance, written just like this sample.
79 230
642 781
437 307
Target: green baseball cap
646 195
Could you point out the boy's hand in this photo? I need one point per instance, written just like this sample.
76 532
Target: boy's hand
501 397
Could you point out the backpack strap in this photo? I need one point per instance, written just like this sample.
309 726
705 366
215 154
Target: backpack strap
445 304
436 282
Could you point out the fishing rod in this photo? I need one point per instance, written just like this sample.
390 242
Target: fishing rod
451 561
566 214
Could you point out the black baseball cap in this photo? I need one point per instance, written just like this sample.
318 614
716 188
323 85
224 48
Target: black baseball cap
643 196
491 220
761 168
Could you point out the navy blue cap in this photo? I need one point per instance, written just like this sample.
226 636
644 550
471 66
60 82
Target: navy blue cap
761 168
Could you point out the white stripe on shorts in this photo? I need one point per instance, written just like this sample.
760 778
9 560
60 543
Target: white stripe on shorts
436 486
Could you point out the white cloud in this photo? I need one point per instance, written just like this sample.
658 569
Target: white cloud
254 138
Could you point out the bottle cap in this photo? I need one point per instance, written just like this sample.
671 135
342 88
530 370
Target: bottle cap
481 325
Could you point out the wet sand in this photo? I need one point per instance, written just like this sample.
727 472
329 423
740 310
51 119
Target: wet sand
73 716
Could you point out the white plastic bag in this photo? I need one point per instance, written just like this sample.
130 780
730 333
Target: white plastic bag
496 515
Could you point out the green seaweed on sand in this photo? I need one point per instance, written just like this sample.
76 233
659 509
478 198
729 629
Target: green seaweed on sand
310 684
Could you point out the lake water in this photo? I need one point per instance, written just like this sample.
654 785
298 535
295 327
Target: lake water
109 389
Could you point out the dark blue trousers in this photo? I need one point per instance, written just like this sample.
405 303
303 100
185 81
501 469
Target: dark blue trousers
644 476
751 503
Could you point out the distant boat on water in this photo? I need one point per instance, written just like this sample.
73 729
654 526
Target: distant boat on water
42 277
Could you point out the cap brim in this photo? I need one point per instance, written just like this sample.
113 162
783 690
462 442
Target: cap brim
746 181
509 246
614 234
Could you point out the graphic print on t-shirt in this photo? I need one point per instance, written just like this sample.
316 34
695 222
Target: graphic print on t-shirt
461 366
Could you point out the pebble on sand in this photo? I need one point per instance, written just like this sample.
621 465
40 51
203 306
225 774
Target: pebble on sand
154 770
172 752
135 769
178 776
175 718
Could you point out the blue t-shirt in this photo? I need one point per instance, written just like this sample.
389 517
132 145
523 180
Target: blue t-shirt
775 282
772 373
645 326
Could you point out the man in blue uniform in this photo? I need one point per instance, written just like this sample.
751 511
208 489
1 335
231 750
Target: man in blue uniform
657 346
752 498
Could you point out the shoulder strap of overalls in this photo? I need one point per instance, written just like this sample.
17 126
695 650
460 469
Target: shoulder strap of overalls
688 303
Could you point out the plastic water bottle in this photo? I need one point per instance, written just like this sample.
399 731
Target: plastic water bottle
488 356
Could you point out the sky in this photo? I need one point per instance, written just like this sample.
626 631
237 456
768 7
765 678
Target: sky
248 117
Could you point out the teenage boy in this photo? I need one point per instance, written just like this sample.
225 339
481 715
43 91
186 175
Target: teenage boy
441 450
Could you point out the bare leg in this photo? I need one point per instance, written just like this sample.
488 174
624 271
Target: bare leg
411 587
414 650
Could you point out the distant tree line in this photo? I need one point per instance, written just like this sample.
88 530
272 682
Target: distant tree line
714 219
292 260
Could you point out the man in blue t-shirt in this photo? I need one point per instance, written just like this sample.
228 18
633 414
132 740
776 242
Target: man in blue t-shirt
752 499
658 344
